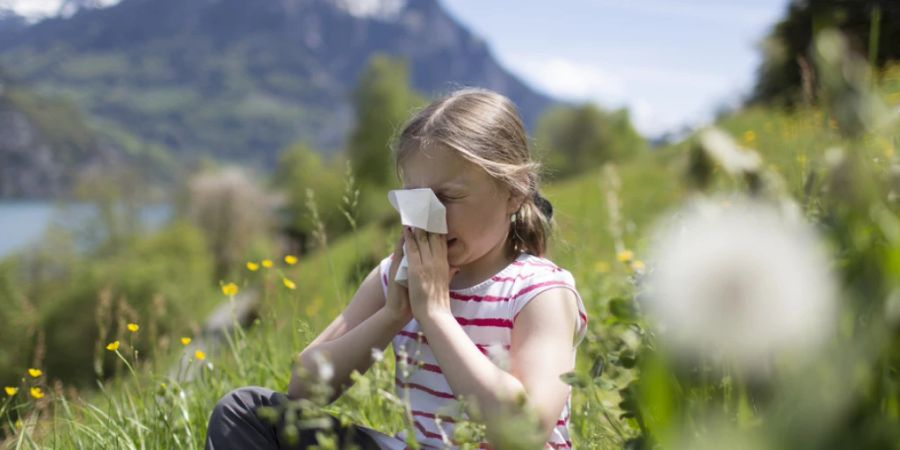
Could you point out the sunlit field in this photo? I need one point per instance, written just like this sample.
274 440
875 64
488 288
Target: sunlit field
742 287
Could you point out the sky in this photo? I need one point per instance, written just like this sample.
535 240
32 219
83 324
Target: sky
672 63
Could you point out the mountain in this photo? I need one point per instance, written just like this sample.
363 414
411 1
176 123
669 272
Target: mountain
241 79
45 145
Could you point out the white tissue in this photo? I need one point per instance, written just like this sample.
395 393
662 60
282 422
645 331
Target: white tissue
418 208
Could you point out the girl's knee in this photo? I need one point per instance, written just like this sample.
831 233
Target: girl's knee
243 400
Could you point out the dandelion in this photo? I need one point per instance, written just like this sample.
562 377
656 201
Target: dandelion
625 256
252 266
288 283
36 392
199 355
290 260
325 369
35 373
112 346
133 327
749 137
637 265
267 263
733 158
185 341
739 283
230 289
10 390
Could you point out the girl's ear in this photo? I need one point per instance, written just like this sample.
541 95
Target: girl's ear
514 202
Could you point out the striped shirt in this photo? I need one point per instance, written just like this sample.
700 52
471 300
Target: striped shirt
487 312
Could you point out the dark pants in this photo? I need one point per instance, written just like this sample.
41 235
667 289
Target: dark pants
234 424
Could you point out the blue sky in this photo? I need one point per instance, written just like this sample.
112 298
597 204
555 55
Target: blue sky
670 62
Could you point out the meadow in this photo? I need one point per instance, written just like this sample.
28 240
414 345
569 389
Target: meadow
836 163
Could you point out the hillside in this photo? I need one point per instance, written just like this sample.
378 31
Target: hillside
241 79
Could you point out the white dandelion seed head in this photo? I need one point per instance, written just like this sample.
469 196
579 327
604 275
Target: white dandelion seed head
739 280
323 366
724 150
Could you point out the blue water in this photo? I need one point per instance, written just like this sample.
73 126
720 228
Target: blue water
23 223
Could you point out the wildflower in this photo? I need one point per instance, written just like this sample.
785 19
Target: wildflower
18 424
230 289
112 346
35 373
325 369
288 283
749 137
637 265
740 283
290 260
200 355
185 341
36 392
733 158
10 390
625 256
267 263
133 327
377 354
601 267
252 266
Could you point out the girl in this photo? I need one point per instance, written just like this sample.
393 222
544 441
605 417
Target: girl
484 317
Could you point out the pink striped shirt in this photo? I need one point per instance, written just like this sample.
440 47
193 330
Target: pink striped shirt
487 313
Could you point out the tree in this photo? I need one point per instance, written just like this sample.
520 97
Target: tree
873 27
572 139
383 101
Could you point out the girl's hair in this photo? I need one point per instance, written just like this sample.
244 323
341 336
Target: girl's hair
484 127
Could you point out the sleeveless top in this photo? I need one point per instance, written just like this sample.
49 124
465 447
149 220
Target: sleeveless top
487 312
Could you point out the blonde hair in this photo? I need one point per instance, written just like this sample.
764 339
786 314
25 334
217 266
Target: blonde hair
484 127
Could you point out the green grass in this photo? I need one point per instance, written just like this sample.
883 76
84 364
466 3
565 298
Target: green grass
151 409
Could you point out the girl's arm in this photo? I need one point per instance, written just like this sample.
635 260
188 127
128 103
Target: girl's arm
368 322
541 351
541 347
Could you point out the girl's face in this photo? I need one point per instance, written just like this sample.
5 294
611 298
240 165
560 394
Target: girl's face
478 208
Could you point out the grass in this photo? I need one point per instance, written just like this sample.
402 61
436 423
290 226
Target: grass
600 216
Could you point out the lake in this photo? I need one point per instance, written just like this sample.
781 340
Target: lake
24 222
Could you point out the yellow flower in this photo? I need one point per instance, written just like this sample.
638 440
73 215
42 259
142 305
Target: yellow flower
35 373
112 346
230 289
267 263
290 260
10 391
133 327
252 266
185 341
601 266
749 137
637 265
37 393
288 283
18 424
199 355
625 256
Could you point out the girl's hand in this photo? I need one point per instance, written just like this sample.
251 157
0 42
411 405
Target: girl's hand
397 302
429 273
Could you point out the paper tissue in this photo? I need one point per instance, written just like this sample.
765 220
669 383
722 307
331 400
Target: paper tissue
418 208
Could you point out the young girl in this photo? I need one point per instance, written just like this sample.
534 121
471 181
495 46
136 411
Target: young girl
484 318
